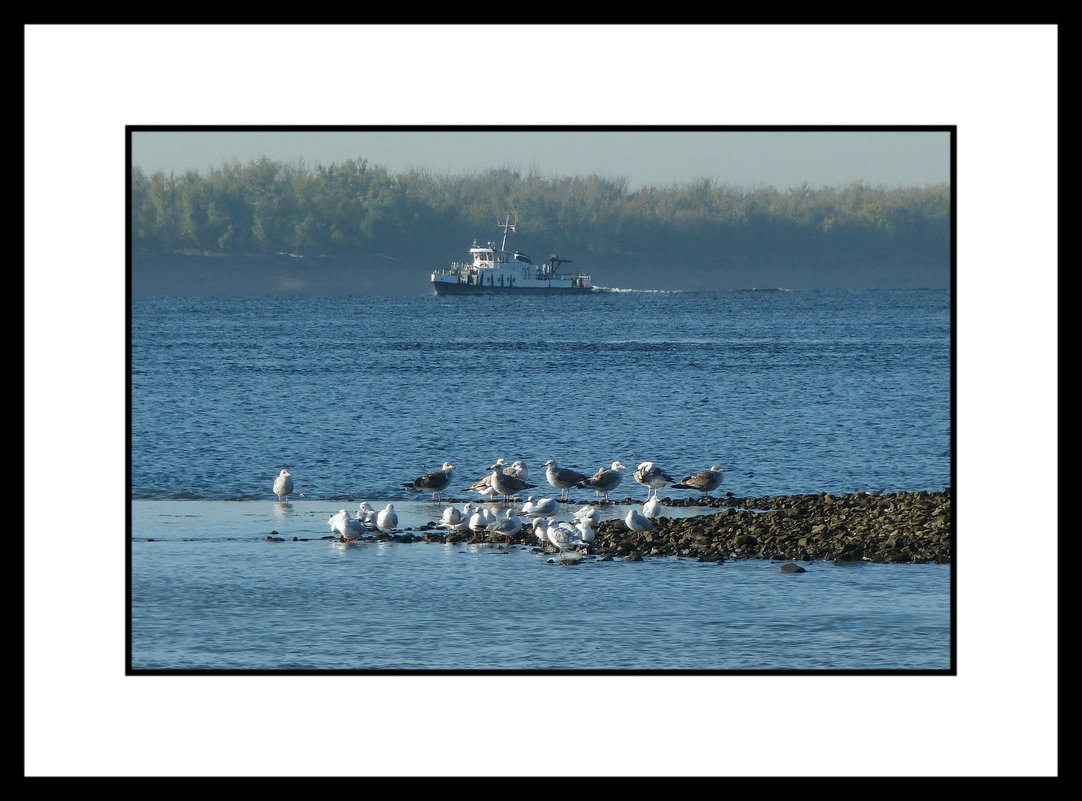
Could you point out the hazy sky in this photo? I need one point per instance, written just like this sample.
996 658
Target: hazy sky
780 158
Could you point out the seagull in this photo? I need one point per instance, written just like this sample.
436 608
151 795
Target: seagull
507 485
652 509
483 486
455 520
542 507
560 537
367 515
588 514
567 537
337 522
283 485
345 526
586 531
651 476
451 517
508 526
435 482
605 480
479 518
387 519
705 482
540 530
518 469
562 478
487 492
637 522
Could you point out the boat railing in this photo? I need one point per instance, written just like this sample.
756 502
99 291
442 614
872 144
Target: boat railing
456 268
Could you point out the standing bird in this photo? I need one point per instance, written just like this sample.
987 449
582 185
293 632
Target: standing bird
567 537
435 482
562 478
505 484
705 482
345 526
540 530
605 480
560 537
387 519
651 476
637 521
483 486
480 518
652 509
283 485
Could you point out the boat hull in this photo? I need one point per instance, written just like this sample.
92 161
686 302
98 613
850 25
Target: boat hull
447 288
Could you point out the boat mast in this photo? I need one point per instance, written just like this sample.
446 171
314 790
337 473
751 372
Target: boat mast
506 224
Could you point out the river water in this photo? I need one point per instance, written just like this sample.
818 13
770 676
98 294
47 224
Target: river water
793 392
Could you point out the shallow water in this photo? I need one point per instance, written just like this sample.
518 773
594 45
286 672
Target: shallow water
210 593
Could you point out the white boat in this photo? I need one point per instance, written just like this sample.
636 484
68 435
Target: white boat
495 270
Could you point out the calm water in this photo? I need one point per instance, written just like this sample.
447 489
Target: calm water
795 392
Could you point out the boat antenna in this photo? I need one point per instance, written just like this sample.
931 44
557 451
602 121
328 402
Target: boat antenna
505 225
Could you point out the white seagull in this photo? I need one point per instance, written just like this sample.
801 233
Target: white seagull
652 508
283 485
540 530
451 517
562 478
540 507
345 526
586 531
636 521
507 526
589 514
478 519
455 520
566 537
387 519
559 537
367 515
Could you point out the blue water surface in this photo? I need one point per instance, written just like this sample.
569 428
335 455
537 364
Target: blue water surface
794 392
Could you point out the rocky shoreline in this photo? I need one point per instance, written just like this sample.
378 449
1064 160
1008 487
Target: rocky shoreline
904 527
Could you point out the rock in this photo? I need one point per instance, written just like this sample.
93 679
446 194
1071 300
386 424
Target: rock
791 567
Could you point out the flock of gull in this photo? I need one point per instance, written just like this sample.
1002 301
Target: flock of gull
506 482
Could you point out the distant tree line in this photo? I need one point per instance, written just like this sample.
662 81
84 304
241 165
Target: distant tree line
267 207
